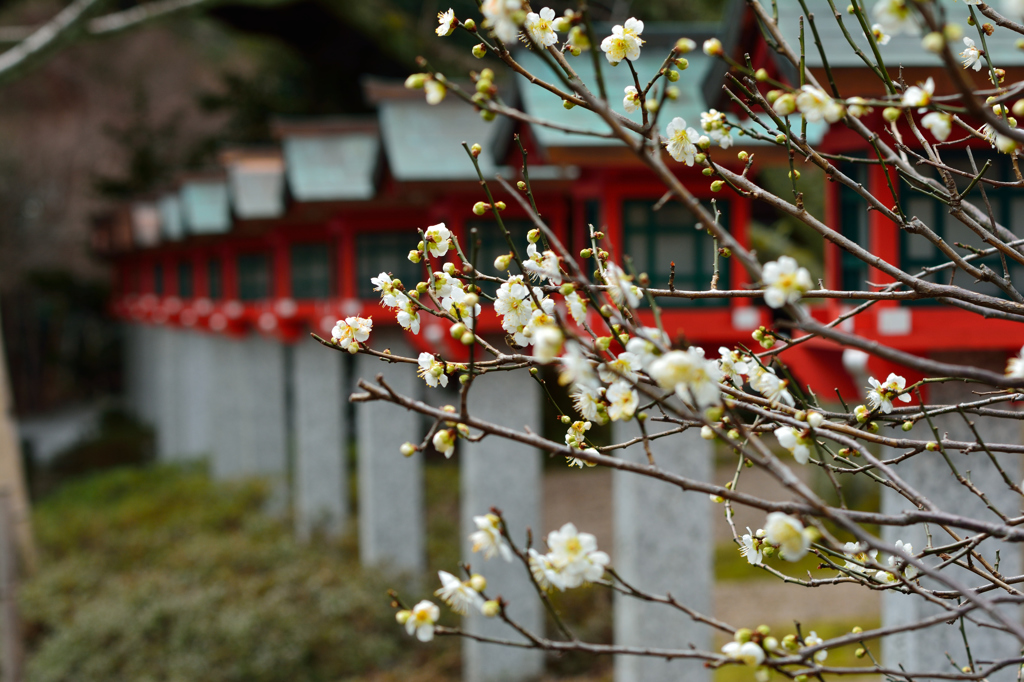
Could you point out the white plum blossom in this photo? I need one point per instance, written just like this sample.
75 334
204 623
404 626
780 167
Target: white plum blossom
749 652
435 91
539 317
513 304
631 100
351 331
681 141
919 95
622 401
732 365
547 343
576 436
644 346
812 639
543 265
444 442
543 572
502 15
879 34
786 281
488 539
860 556
384 284
577 306
1015 366
971 55
576 368
692 377
624 42
857 107
751 548
621 286
880 395
625 366
769 385
892 575
437 239
713 123
588 401
459 595
420 621
815 105
408 316
791 439
446 23
894 16
540 28
939 124
788 534
575 556
432 370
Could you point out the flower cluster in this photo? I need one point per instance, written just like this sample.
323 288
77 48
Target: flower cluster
624 42
714 123
786 281
351 332
880 395
572 559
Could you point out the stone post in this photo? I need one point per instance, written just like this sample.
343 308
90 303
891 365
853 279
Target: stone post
168 393
925 650
195 396
321 440
506 475
663 544
392 519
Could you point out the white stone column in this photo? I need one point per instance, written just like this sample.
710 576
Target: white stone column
167 394
924 650
663 544
249 413
507 475
321 440
392 519
196 387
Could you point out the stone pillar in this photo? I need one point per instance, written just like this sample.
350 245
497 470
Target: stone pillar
663 544
321 440
506 475
168 393
196 388
392 519
249 412
923 650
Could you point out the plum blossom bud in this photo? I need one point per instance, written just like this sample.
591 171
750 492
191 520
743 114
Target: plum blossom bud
651 105
471 300
463 379
907 426
743 635
603 342
586 253
713 47
457 330
933 42
469 24
707 433
703 141
794 174
672 75
773 95
467 338
708 172
685 46
521 185
861 652
785 104
682 64
488 115
415 256
932 447
533 236
780 138
761 75
500 205
403 616
480 51
861 412
407 449
480 207
716 186
421 288
478 582
502 262
491 608
814 419
891 114
699 158
566 104
416 81
475 150
672 92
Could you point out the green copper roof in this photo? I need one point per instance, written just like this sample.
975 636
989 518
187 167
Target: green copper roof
332 167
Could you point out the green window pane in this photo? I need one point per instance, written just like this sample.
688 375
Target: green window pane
158 279
185 287
656 239
253 276
311 271
215 279
853 224
378 252
494 244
